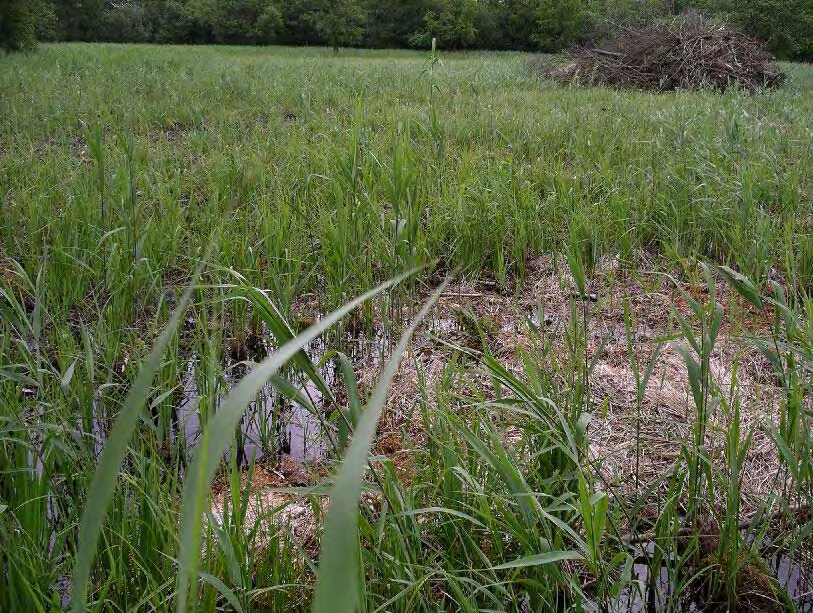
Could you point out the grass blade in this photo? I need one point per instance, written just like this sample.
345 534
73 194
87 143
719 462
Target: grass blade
539 559
338 569
217 435
104 479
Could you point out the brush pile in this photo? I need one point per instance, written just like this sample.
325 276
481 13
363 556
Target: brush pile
682 54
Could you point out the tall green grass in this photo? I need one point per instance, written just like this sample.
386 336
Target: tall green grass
118 162
323 179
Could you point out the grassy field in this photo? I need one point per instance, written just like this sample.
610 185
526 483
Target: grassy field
594 410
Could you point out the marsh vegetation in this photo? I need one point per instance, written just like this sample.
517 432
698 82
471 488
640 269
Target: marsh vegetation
549 348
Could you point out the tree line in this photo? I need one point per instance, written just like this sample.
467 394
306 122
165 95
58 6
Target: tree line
786 26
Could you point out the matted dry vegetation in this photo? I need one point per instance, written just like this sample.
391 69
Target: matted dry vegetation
666 411
622 434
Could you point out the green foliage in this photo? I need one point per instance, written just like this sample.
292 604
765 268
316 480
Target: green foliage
453 22
605 17
19 24
786 26
125 22
83 21
518 21
533 25
339 23
169 21
236 21
392 22
559 23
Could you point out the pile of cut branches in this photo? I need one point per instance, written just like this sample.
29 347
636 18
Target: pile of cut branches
684 53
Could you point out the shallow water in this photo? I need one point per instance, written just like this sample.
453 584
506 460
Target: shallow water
271 424
796 576
792 573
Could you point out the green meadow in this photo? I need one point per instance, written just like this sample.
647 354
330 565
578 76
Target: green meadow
187 231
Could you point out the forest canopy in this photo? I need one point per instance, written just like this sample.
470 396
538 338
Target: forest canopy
785 26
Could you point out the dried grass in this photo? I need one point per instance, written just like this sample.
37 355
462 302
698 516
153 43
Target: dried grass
666 412
666 415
